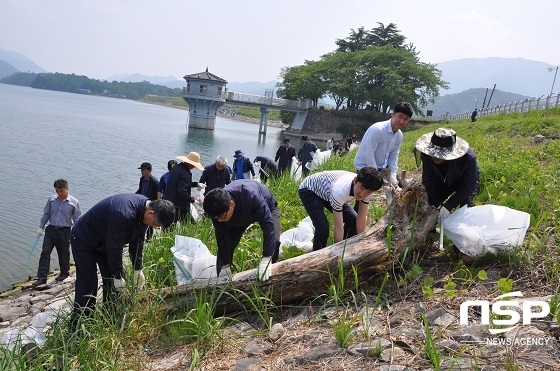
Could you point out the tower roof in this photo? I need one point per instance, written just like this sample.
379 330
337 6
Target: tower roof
204 76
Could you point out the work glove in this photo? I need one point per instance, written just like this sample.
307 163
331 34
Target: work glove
225 275
119 284
40 232
201 186
265 268
393 182
139 279
443 213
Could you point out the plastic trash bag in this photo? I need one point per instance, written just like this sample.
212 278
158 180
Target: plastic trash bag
478 230
192 260
197 210
34 333
300 237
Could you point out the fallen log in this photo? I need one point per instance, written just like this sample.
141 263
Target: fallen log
410 219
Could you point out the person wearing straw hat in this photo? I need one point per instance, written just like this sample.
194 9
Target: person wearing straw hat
179 184
450 172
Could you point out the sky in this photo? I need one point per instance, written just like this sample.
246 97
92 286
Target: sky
244 41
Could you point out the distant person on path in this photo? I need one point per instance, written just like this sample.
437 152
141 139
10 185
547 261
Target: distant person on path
264 161
164 178
284 156
216 175
333 190
330 144
148 186
178 188
348 143
306 154
381 143
98 239
242 166
474 114
62 211
233 209
450 172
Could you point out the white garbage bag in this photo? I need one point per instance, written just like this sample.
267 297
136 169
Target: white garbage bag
300 237
34 333
486 229
197 210
192 260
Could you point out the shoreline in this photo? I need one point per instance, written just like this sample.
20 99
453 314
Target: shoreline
251 120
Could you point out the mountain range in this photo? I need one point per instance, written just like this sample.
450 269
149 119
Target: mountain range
470 79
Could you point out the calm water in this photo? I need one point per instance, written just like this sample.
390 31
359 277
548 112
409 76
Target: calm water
96 144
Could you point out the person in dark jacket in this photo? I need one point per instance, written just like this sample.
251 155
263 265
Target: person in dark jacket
306 154
242 166
284 156
178 189
264 161
450 172
148 186
164 178
98 239
233 209
216 175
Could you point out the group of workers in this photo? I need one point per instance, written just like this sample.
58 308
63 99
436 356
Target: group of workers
234 201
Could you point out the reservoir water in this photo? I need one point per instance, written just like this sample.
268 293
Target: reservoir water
97 144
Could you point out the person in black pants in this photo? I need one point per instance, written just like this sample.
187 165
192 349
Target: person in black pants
98 239
62 211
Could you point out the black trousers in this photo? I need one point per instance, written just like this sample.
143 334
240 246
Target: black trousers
58 237
315 207
225 256
87 259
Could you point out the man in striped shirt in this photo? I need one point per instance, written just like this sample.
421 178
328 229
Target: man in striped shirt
333 190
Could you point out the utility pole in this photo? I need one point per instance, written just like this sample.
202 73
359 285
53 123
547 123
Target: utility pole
550 69
491 94
485 95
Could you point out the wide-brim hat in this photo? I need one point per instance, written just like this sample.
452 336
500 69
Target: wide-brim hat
192 158
443 144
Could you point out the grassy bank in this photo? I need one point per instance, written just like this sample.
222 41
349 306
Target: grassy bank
516 171
178 102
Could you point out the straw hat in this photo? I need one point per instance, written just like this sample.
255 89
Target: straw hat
443 144
192 158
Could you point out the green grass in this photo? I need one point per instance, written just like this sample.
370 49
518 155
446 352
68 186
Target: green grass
516 172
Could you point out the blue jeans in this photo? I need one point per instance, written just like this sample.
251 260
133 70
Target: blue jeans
315 207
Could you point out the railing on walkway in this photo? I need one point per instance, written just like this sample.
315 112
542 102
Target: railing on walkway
537 103
215 93
248 98
267 101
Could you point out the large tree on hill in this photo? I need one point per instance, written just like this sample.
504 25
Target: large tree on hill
373 67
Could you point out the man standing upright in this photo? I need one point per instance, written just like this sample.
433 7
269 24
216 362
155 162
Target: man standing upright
381 143
284 156
216 175
148 186
61 212
306 154
178 189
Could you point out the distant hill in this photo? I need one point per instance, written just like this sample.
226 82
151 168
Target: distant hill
468 100
516 75
6 69
20 62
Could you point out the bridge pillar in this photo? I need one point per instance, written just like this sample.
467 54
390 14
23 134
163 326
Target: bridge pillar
264 120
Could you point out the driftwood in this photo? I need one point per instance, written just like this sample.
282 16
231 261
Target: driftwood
410 218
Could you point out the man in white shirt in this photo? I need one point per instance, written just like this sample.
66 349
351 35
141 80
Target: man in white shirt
381 143
333 190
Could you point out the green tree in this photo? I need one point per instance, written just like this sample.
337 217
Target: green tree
302 82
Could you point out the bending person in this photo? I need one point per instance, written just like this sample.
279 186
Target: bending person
333 190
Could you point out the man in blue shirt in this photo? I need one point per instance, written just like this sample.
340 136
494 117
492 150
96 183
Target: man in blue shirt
98 240
233 209
242 166
62 211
